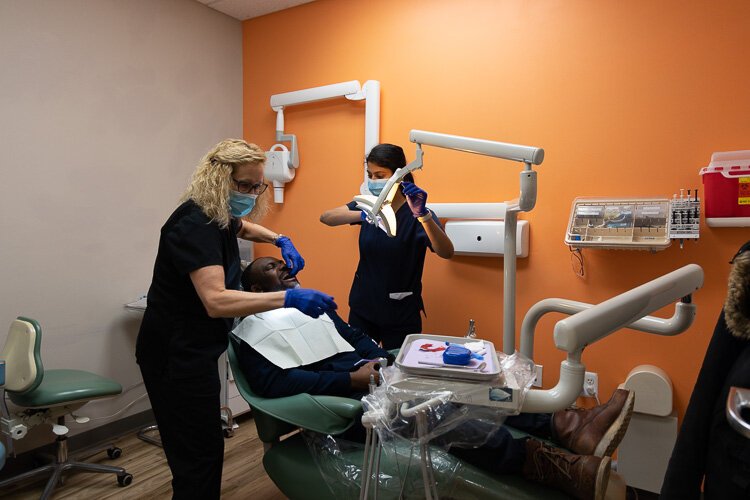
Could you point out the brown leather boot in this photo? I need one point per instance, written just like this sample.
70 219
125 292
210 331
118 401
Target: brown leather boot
582 476
597 431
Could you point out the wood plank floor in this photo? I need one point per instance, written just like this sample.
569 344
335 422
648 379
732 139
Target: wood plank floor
243 475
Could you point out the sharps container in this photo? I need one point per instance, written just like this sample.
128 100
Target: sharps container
726 189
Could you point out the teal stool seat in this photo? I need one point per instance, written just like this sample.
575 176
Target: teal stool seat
59 387
46 397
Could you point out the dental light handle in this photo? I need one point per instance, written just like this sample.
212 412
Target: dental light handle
388 192
281 136
527 198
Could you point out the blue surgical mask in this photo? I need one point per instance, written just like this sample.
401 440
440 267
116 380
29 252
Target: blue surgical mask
241 204
375 186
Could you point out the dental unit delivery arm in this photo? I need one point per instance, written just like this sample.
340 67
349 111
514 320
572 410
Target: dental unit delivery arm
594 323
679 322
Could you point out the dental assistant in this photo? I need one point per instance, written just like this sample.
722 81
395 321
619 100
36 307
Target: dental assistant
193 298
386 294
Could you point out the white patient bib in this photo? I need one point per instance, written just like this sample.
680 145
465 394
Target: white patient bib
288 338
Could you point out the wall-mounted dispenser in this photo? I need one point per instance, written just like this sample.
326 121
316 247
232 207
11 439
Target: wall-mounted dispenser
279 169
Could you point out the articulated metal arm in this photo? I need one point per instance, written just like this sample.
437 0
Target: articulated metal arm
683 317
627 310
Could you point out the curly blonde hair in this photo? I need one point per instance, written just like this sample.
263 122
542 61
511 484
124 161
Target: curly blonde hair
212 180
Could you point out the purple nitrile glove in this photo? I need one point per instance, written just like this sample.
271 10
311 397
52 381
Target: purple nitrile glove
292 258
416 198
310 302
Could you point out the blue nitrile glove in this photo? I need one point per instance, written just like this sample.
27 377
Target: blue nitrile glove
311 302
292 258
416 198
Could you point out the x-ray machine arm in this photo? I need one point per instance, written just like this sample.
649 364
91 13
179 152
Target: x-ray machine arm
352 90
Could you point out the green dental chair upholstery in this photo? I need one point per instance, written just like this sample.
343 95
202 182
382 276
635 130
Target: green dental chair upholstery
45 397
290 465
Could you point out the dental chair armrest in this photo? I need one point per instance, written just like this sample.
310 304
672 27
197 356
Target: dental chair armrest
324 414
275 417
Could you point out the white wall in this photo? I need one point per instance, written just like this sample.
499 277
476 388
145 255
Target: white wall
106 106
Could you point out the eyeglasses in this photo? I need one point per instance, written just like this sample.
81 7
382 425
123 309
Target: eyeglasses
247 188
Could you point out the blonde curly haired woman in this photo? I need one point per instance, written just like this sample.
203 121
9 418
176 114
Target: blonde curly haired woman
193 298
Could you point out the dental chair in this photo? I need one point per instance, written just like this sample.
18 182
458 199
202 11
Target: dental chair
45 397
291 466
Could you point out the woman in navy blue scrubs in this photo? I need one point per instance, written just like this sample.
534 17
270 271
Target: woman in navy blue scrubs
386 295
194 296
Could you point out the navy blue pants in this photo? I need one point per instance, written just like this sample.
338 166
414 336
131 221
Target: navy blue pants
390 337
502 454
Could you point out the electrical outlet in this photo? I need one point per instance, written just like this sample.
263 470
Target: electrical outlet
590 385
538 378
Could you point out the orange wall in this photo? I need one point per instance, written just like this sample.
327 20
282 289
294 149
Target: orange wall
627 99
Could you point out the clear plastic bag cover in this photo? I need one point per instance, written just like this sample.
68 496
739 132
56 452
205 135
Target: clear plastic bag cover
446 420
399 468
402 423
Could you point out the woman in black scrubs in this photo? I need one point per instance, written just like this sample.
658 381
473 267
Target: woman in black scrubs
193 298
386 295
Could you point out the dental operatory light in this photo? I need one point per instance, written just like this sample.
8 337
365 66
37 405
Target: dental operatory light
281 162
379 210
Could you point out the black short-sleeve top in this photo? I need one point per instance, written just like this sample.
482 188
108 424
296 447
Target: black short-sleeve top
176 334
387 286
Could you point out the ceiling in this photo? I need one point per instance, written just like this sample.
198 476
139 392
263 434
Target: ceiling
247 9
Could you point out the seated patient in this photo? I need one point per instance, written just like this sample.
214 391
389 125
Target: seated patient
344 373
591 435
